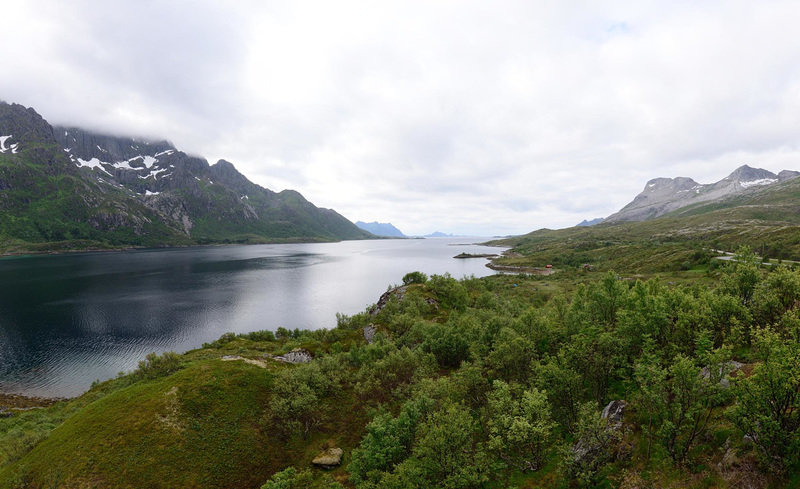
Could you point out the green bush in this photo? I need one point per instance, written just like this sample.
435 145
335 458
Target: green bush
414 278
154 366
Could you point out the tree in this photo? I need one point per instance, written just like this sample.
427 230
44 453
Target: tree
565 387
521 430
414 278
594 447
768 402
741 275
446 454
651 380
387 443
511 357
678 401
296 396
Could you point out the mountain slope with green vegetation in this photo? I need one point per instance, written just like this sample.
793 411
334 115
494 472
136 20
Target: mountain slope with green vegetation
767 219
478 383
72 189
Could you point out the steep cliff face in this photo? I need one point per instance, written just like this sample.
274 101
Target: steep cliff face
65 183
663 195
45 197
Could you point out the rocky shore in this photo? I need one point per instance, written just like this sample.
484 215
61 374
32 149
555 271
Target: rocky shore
12 402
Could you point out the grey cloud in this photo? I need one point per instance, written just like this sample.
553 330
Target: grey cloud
490 118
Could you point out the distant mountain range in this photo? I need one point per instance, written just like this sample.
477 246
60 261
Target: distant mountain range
597 220
65 187
439 234
381 229
662 196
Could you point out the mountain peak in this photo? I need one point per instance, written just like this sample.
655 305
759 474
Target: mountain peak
380 229
131 191
663 195
748 176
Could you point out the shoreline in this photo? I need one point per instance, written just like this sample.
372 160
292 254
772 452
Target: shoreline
20 402
22 254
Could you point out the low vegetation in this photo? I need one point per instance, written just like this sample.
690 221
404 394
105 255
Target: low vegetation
474 383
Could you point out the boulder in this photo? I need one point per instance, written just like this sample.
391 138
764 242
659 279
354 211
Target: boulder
729 367
398 292
329 459
298 355
613 412
369 332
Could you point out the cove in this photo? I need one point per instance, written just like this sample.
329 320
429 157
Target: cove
68 320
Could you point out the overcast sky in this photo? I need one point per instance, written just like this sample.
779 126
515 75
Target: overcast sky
467 117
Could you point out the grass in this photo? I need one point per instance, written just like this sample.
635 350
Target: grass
203 426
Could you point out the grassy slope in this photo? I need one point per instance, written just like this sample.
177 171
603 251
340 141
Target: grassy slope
768 220
203 426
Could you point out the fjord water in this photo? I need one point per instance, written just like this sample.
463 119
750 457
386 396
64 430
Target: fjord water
68 320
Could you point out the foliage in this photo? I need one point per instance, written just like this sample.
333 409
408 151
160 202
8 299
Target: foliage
768 401
471 383
521 430
593 448
292 478
155 366
414 278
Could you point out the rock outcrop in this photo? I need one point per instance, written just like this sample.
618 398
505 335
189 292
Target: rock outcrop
663 195
329 459
614 411
298 355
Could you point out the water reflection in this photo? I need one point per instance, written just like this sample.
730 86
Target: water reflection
68 320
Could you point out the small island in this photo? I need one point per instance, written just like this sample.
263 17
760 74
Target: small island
476 255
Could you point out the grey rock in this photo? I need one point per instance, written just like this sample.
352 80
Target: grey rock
298 355
369 333
663 195
398 293
614 411
329 459
725 380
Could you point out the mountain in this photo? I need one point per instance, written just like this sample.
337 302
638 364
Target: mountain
764 217
80 189
664 195
594 221
380 229
438 234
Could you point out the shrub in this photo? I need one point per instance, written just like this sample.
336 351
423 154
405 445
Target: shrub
154 366
414 278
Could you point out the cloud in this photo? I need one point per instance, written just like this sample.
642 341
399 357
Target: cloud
464 117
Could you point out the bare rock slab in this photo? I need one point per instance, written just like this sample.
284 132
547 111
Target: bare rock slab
329 459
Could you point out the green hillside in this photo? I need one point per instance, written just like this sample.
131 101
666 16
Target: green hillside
89 191
768 221
478 383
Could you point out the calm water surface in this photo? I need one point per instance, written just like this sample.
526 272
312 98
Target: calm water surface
68 320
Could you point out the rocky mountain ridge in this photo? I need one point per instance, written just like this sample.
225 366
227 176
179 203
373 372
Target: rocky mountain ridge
381 229
66 183
663 195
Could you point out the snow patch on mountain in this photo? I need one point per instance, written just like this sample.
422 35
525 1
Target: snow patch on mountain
12 147
760 181
93 163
